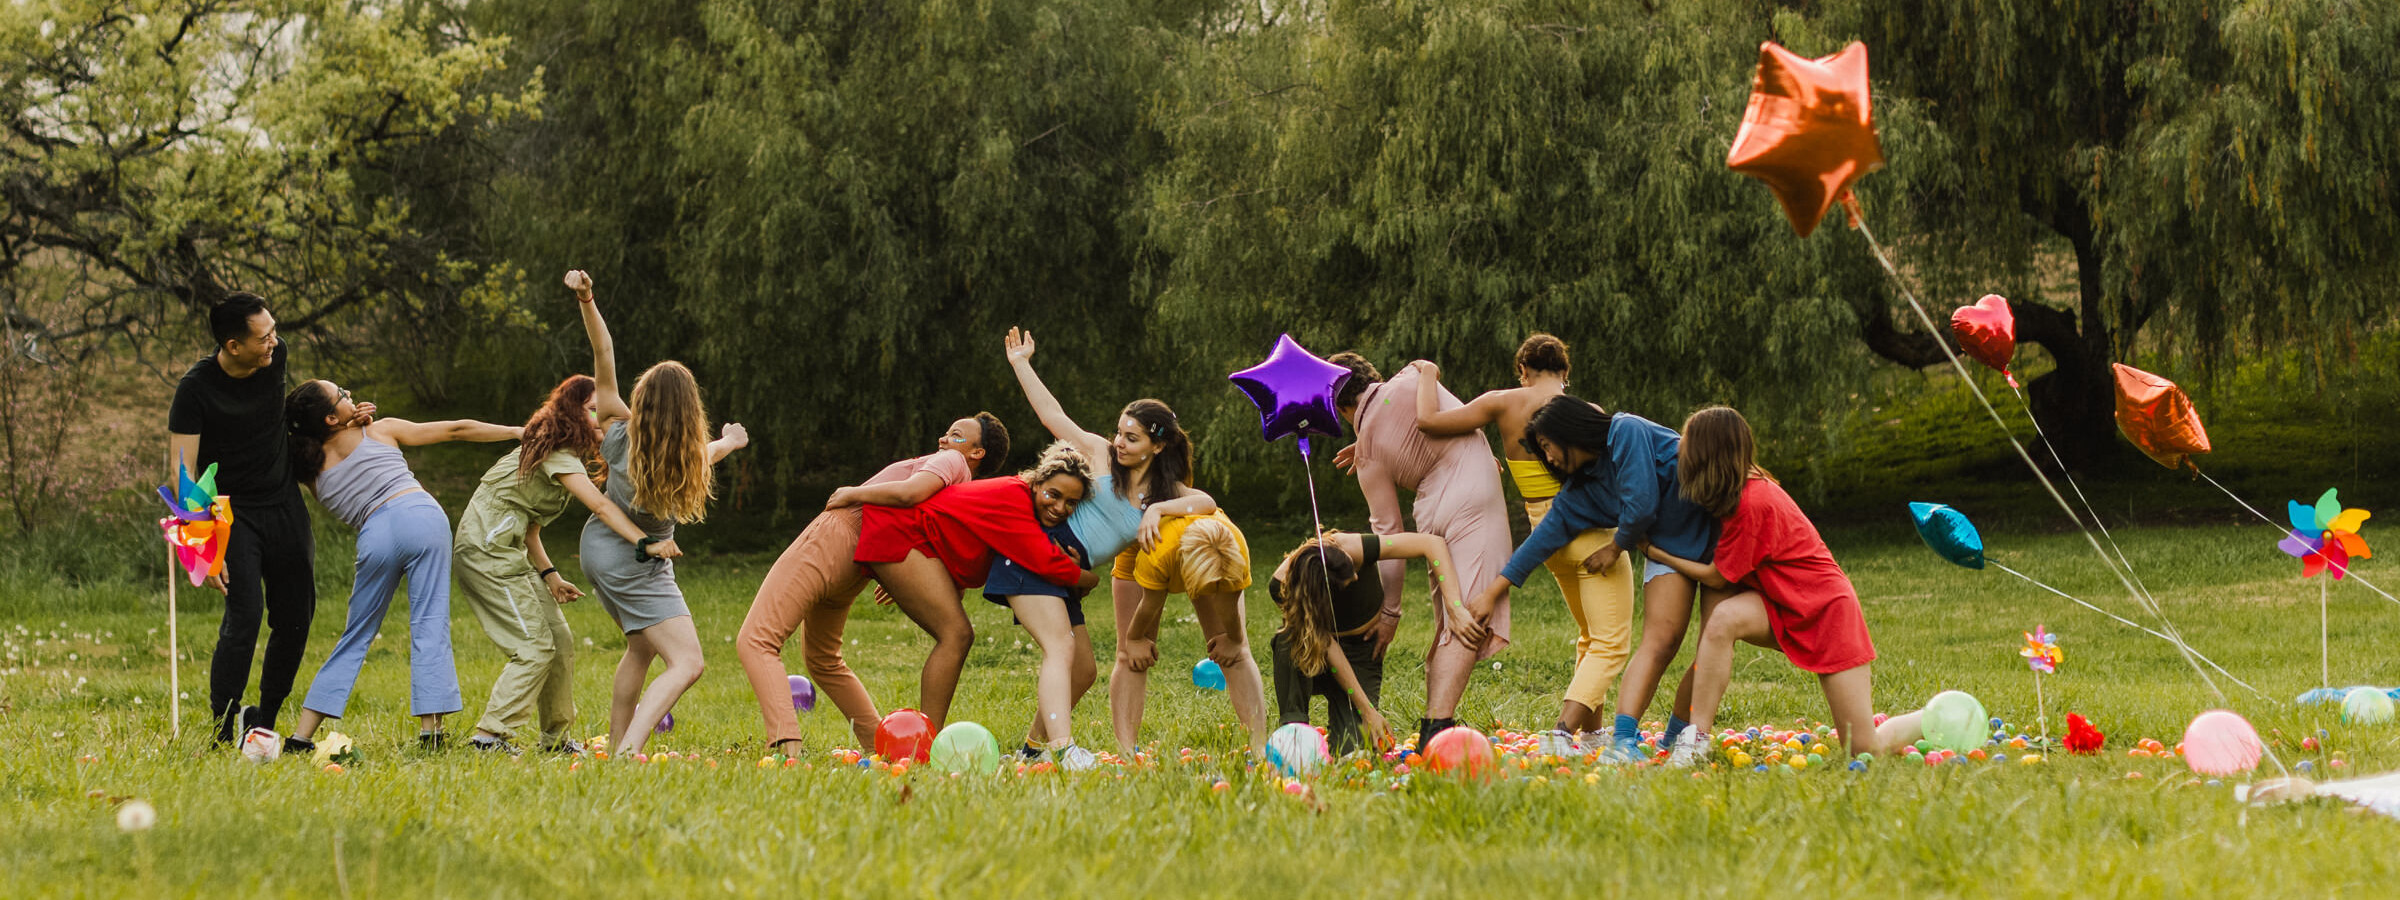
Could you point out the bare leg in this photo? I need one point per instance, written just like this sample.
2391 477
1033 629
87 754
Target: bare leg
1229 645
1446 670
1079 681
1127 689
430 723
1736 619
625 691
1850 694
922 589
677 643
309 720
1666 610
1046 619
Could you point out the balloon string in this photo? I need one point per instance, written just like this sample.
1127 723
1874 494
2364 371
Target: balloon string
1324 568
2073 485
2190 656
2129 623
2285 530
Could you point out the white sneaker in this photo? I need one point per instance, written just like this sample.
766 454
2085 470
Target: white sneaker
1691 749
1076 759
1559 743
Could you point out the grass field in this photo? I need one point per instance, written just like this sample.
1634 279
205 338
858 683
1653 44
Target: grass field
86 677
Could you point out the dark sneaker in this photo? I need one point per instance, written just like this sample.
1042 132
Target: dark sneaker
491 744
563 746
295 746
433 741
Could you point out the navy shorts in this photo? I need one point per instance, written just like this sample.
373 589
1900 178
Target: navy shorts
1007 579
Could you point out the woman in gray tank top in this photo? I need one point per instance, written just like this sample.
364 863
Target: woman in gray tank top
353 461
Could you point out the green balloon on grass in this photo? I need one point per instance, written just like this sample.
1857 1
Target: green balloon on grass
966 747
2366 706
1955 721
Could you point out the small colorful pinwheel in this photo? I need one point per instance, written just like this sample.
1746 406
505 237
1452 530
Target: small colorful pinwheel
2041 651
2325 536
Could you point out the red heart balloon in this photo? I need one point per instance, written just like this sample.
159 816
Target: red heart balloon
1987 331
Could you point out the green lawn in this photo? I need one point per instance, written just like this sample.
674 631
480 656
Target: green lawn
87 677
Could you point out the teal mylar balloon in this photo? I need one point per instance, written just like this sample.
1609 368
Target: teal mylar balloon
1955 721
1949 533
965 747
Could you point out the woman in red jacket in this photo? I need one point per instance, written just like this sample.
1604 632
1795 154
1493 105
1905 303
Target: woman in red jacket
926 554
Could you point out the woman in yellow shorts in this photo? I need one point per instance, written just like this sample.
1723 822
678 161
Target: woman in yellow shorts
1204 558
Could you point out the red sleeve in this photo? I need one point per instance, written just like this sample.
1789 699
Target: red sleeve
1742 538
1014 532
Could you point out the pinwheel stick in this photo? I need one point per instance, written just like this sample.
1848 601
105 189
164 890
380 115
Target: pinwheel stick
2041 711
174 651
2324 641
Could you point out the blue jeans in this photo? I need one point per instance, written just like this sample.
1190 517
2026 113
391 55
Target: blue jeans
409 535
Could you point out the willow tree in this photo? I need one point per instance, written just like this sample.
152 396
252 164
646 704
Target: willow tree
1439 179
871 195
2221 170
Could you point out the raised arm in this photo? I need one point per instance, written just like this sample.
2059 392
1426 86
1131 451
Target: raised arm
1435 421
604 350
908 491
405 433
1019 344
731 437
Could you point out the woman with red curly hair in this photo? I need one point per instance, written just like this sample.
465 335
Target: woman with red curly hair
505 573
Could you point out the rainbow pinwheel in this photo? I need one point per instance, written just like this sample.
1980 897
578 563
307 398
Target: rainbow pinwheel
2325 536
198 522
2041 651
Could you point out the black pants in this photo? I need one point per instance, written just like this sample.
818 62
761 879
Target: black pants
270 544
1294 691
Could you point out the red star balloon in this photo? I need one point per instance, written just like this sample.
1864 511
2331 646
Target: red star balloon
1808 132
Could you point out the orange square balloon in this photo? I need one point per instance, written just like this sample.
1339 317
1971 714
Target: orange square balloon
1809 131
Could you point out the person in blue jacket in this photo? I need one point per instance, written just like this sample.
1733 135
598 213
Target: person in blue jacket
1616 471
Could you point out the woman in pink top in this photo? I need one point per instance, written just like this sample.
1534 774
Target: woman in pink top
1456 481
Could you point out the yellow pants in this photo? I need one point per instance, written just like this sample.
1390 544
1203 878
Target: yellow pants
1602 605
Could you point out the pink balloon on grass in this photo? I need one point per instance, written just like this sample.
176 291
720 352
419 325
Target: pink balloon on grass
2218 742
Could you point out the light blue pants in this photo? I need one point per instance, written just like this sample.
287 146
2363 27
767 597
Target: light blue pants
409 535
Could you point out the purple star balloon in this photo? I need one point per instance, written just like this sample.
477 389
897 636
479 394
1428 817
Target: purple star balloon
1294 391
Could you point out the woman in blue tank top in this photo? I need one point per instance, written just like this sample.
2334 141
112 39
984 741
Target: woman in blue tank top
353 461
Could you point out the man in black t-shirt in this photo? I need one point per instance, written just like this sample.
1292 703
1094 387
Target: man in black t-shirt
228 410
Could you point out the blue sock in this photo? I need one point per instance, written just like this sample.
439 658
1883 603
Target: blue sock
1675 729
1629 730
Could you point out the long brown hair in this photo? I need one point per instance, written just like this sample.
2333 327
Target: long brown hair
1309 574
561 424
667 445
1169 466
1718 456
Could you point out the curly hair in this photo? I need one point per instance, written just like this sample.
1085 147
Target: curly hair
1060 458
561 424
1362 376
1543 352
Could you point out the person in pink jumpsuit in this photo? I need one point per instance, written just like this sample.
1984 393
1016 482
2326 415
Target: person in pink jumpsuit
1456 481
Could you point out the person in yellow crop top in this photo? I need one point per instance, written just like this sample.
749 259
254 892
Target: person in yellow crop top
1601 600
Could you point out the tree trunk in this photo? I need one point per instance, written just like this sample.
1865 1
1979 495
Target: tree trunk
2076 402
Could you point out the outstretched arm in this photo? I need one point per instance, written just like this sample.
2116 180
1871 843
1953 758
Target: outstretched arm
908 491
731 437
1045 406
1188 503
604 350
404 433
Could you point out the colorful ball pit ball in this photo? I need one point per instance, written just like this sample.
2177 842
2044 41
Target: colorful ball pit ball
905 734
1461 751
1298 750
2218 742
966 748
1954 720
2366 706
